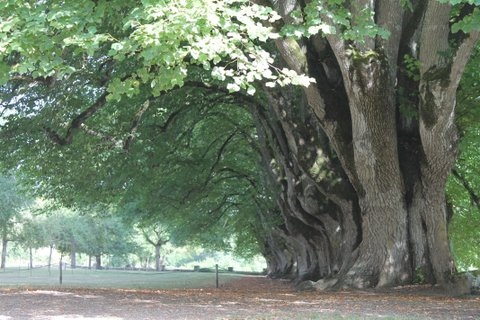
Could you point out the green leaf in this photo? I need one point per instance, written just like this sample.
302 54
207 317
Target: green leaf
4 73
469 23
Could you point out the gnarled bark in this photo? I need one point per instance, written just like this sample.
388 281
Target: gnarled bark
356 173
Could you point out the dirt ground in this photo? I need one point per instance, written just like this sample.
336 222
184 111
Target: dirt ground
249 298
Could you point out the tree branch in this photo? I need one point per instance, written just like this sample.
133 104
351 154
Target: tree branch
434 36
135 124
390 16
240 175
471 192
97 134
462 56
76 122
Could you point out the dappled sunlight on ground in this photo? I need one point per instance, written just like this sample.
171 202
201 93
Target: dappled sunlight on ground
248 298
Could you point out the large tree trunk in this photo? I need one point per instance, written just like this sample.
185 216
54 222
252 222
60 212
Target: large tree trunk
279 257
439 81
356 173
312 226
274 243
383 254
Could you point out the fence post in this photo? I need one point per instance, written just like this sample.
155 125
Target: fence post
216 275
60 268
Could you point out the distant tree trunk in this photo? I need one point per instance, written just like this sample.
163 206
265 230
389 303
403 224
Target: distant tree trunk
89 262
73 254
30 253
158 258
98 262
50 256
158 243
4 251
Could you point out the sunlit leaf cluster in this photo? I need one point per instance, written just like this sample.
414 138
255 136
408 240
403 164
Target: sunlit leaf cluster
161 38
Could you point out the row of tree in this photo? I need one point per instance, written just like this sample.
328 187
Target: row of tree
33 225
182 112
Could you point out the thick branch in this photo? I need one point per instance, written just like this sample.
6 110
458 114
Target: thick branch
434 36
390 16
77 122
218 158
412 24
240 175
461 58
98 134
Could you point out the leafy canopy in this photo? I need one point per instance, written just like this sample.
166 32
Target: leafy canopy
160 38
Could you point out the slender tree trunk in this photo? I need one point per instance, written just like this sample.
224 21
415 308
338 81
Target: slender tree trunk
30 254
146 263
73 254
4 252
157 257
50 252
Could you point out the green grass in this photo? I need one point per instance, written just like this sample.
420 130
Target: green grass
112 279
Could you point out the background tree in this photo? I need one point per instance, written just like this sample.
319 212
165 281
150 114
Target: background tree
12 202
63 226
32 235
99 236
156 236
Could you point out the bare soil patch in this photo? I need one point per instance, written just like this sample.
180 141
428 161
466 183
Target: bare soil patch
248 298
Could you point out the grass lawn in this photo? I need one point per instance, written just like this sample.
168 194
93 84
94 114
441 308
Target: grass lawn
112 279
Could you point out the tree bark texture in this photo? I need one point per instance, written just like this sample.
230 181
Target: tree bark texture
361 181
279 257
158 259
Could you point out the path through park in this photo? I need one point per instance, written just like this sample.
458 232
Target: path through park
247 298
